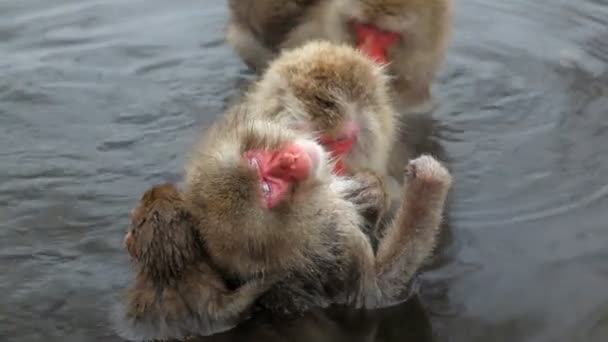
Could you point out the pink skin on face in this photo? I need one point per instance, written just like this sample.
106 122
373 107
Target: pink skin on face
373 41
277 169
341 146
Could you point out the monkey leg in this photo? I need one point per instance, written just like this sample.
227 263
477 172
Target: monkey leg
412 236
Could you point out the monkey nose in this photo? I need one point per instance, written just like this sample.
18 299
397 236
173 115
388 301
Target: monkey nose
288 161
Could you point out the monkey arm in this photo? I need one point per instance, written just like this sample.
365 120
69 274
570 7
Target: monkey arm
229 306
412 236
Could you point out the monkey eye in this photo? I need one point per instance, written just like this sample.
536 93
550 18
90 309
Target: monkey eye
325 103
266 188
255 164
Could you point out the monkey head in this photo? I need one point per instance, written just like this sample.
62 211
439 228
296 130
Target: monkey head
161 237
254 172
332 90
378 26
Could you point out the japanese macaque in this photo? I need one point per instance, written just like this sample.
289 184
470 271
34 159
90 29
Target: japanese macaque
410 35
341 96
176 292
269 204
335 92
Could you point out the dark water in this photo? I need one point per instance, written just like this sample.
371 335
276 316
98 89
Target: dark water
100 99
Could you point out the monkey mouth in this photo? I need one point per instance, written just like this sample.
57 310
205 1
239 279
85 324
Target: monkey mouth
341 146
374 41
271 188
279 171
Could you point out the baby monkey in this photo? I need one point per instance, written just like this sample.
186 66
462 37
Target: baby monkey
176 292
410 35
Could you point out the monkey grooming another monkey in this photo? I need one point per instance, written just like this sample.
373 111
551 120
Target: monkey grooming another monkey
269 204
410 35
176 292
337 93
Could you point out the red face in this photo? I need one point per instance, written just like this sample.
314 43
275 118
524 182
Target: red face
341 146
279 169
373 41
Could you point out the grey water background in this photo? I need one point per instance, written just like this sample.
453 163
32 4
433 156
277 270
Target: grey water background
100 99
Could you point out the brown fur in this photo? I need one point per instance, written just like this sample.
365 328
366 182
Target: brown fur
176 291
425 26
260 24
314 238
242 236
323 85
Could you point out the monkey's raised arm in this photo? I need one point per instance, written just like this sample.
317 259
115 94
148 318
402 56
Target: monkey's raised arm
412 235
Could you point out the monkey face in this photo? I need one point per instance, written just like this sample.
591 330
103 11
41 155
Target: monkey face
257 165
162 240
278 170
377 27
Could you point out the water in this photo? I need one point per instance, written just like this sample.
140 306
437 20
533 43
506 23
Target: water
100 99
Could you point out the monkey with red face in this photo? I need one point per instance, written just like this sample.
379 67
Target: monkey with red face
269 204
410 36
178 291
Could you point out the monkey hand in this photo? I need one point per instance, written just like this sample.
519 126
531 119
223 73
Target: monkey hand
426 176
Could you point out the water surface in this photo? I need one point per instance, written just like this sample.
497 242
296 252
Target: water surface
100 99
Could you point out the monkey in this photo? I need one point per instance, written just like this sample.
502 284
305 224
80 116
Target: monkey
340 95
257 185
176 292
410 35
336 92
269 204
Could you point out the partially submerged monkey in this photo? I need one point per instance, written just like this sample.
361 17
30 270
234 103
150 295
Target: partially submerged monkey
269 204
176 292
342 97
410 35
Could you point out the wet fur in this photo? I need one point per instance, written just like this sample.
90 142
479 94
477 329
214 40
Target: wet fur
246 241
314 240
320 86
176 292
425 24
